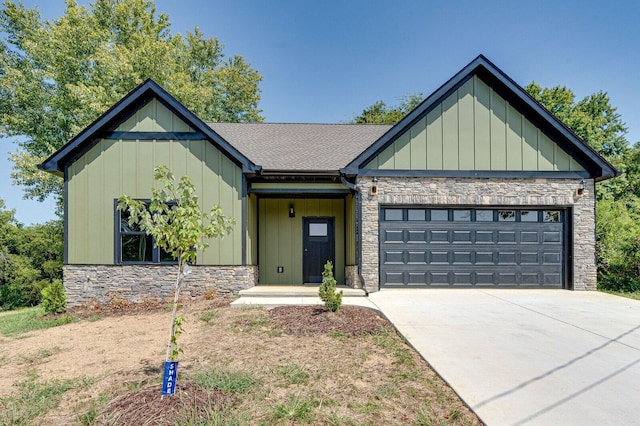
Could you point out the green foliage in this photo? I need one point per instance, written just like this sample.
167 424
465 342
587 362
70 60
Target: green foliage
29 319
59 75
54 301
380 113
327 291
178 226
31 399
30 258
227 381
596 121
177 331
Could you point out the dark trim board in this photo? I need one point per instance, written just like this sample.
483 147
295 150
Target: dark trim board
136 98
161 136
598 167
299 191
486 174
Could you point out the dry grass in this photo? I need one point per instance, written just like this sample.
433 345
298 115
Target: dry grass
240 366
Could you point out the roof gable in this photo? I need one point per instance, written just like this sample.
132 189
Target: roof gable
524 128
121 118
474 128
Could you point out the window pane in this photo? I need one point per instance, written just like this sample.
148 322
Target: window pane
137 248
317 229
393 214
551 216
462 215
124 223
440 215
166 257
484 215
506 215
529 216
416 214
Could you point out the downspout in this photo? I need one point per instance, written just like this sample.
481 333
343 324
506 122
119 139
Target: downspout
358 194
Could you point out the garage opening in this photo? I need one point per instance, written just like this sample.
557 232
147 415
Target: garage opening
458 247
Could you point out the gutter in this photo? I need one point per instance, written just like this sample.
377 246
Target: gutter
358 194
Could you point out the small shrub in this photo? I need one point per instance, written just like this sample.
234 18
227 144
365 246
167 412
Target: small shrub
54 301
327 292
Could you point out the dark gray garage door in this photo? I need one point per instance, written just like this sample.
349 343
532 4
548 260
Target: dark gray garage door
502 247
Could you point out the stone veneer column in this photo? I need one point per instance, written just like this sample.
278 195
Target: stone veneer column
491 192
136 283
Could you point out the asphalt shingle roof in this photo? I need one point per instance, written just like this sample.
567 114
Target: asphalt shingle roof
278 146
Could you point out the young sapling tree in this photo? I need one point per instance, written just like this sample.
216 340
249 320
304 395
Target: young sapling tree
175 221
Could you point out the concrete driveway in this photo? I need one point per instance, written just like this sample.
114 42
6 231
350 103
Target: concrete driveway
534 357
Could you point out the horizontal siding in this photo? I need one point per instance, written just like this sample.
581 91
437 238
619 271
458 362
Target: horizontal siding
474 129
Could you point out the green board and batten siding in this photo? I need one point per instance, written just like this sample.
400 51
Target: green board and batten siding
281 236
474 129
112 168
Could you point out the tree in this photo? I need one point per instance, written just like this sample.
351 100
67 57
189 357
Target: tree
57 76
380 113
30 259
596 121
174 219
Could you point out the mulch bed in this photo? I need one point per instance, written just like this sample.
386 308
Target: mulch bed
317 320
147 406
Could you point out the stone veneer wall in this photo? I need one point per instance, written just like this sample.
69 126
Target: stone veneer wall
136 283
482 192
351 278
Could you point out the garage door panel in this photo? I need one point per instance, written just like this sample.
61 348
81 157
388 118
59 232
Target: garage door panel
393 236
487 237
462 236
439 257
461 257
438 236
501 253
391 257
415 236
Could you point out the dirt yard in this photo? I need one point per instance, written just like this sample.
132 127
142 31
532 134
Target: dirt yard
358 371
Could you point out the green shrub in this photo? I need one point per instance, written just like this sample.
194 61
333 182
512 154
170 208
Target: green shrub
327 292
622 282
54 300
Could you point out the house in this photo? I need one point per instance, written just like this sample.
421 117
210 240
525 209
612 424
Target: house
479 186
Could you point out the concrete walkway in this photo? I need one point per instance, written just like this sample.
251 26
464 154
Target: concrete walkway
528 357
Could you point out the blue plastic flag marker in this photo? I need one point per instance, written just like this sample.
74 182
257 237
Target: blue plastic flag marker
170 378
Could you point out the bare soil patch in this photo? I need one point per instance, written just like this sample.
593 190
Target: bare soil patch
307 365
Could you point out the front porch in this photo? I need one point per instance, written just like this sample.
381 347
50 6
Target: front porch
277 295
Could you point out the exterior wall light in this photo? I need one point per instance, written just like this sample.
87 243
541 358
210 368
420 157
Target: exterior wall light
292 212
580 189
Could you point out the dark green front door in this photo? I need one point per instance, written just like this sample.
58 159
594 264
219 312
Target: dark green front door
318 247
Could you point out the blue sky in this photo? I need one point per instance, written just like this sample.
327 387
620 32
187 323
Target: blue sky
325 61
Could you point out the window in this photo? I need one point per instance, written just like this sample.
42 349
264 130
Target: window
135 246
506 215
439 215
393 214
484 215
318 230
462 215
551 216
416 214
528 216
